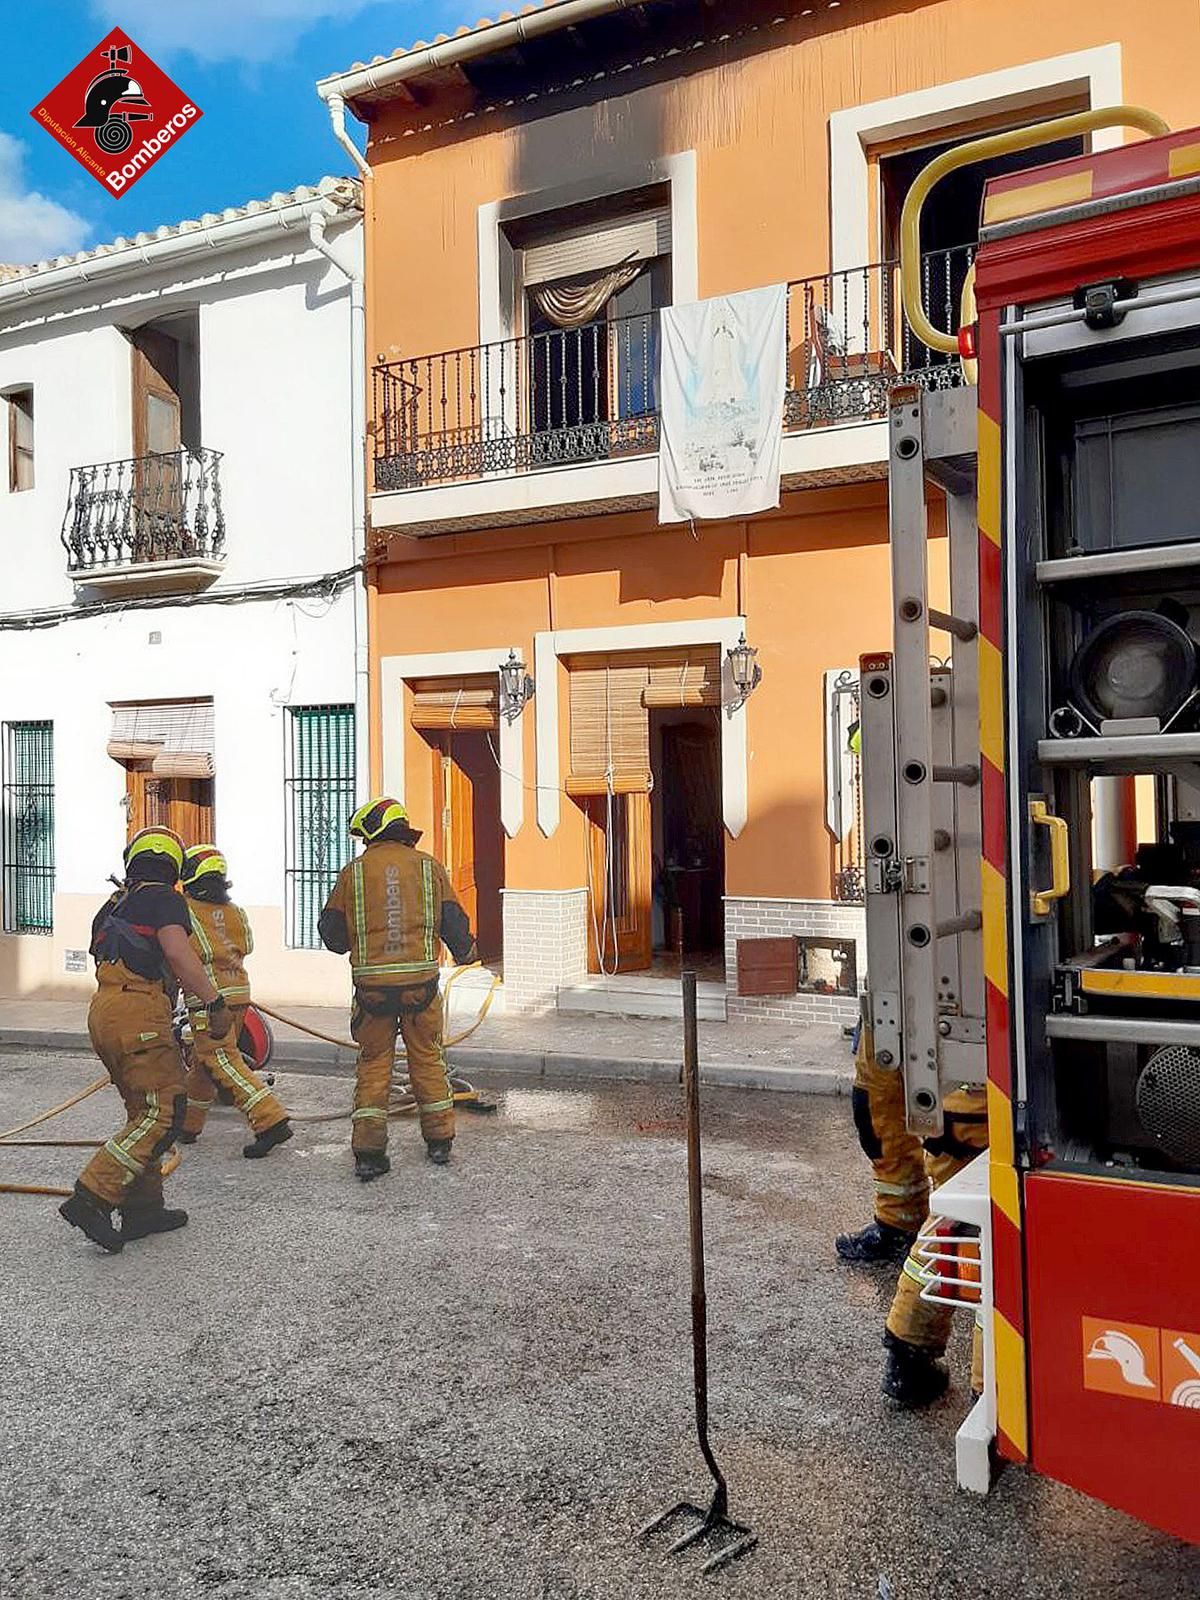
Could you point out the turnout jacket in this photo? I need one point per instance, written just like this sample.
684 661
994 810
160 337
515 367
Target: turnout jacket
391 910
221 937
125 930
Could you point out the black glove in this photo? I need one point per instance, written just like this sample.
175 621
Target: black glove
220 1018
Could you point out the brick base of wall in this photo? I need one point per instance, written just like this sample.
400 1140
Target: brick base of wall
545 945
773 919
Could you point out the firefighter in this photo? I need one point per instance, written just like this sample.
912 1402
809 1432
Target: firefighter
391 910
917 1330
141 947
222 939
896 1156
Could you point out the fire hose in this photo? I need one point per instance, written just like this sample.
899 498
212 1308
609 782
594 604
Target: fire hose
402 1104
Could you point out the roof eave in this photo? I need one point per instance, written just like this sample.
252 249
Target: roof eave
220 237
380 76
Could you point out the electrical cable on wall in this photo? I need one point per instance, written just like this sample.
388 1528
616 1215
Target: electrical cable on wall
326 585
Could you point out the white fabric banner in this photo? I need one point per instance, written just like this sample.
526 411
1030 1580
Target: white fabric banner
724 370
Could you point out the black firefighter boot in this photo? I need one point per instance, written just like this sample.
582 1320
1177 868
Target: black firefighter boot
438 1151
93 1216
139 1222
263 1143
878 1241
912 1377
369 1164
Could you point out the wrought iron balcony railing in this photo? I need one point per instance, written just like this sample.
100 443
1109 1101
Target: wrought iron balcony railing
151 508
578 395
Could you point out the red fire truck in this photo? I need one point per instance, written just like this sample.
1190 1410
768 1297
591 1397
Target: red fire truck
1032 812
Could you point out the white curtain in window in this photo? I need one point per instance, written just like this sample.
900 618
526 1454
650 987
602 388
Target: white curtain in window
575 305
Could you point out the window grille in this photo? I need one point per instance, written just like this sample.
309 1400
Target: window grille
319 797
28 827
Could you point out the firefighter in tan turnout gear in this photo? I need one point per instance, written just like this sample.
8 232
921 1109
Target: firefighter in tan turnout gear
906 1170
222 939
391 910
897 1161
141 947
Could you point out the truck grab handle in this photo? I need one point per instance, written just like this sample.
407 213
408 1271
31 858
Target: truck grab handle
994 144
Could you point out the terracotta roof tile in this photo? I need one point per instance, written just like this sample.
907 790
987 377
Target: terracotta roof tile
345 193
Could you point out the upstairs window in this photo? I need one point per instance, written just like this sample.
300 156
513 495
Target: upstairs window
592 279
20 440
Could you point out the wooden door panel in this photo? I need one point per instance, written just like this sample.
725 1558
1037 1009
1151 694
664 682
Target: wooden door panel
619 881
454 825
185 805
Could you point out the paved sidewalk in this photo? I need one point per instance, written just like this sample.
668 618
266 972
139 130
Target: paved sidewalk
812 1059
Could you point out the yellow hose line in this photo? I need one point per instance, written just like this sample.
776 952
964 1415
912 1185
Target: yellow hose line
24 1127
168 1167
54 1144
348 1044
403 1107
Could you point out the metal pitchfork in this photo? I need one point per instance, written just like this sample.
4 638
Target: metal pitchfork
732 1539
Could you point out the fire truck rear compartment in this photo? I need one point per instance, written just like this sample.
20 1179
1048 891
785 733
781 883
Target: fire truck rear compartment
1111 696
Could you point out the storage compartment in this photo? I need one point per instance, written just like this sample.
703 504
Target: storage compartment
1137 478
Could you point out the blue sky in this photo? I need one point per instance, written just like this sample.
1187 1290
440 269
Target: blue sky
250 66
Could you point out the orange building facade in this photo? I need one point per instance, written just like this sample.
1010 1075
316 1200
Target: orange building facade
542 187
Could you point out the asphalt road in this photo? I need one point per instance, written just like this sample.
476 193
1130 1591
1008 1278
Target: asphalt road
475 1382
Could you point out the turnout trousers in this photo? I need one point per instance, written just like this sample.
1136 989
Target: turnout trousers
896 1155
916 1321
379 1015
129 1022
218 1063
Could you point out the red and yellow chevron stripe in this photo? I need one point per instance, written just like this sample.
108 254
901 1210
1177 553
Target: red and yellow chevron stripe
1008 1281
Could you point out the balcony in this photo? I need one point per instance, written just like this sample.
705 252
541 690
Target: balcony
152 524
588 398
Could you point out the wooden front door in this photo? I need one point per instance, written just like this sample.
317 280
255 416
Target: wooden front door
467 833
157 438
185 805
620 928
157 408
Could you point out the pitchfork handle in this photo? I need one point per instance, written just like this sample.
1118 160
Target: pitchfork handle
691 1095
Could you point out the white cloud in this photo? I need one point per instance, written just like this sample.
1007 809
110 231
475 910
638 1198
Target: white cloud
32 226
222 30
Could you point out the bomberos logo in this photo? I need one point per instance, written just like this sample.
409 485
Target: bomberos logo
117 113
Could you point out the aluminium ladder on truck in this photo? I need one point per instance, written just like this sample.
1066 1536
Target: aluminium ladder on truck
921 820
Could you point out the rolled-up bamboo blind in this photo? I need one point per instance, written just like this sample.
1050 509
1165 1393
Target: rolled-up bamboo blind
456 703
686 677
610 729
172 738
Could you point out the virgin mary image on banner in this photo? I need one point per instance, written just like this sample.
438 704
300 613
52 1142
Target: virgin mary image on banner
724 364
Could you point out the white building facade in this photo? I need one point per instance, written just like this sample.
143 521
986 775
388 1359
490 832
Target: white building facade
181 588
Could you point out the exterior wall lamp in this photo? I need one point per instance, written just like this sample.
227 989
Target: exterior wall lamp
744 670
516 687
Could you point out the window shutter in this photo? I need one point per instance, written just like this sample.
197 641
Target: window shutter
686 677
320 801
28 831
610 728
462 703
594 246
175 739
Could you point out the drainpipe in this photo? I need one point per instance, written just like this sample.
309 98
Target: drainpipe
358 493
337 121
